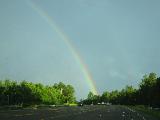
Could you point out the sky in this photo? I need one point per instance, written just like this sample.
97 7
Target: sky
118 41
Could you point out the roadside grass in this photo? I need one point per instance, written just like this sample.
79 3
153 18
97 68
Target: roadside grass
70 104
11 107
147 110
33 106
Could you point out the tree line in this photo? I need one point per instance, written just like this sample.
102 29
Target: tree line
148 93
27 93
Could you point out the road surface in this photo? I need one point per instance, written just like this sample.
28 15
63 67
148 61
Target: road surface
97 112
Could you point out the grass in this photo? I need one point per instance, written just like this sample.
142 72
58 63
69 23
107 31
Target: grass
34 106
70 104
147 110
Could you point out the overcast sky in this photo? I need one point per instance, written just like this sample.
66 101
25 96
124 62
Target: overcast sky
117 39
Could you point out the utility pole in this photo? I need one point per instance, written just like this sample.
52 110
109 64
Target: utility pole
8 99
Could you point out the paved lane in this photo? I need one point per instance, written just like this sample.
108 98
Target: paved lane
99 112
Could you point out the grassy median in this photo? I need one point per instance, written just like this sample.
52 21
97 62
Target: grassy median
147 110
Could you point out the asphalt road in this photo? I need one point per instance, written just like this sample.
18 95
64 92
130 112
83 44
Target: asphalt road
99 112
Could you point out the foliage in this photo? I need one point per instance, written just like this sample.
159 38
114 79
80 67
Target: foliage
27 93
147 94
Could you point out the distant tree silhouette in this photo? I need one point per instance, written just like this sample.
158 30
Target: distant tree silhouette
148 94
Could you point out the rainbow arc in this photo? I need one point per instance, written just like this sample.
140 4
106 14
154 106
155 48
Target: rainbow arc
70 45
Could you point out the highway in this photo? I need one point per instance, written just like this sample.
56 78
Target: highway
92 112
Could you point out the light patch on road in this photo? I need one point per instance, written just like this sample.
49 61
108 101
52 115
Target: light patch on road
144 118
28 114
108 110
18 115
53 109
100 115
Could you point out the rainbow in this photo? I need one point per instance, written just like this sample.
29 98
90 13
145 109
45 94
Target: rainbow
69 44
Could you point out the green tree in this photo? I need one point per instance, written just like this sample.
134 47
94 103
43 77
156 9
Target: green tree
146 88
105 97
90 96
